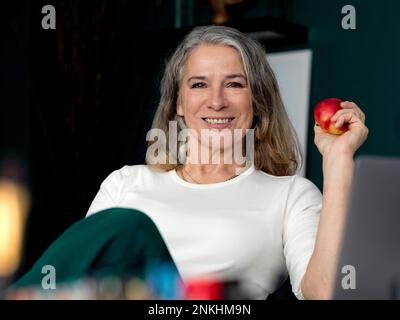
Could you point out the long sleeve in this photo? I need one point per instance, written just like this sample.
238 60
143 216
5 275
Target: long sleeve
302 214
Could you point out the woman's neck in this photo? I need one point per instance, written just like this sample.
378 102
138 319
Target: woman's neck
208 173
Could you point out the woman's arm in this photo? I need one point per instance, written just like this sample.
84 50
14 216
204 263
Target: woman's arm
338 168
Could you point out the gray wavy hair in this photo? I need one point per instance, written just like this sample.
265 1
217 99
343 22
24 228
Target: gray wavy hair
276 147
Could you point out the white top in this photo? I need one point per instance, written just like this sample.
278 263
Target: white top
255 228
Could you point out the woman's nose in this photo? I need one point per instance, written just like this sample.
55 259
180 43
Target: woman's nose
216 99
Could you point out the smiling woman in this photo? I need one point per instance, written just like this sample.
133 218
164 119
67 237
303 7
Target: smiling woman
257 225
214 95
218 78
214 92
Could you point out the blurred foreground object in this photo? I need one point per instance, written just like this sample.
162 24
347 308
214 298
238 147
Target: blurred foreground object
14 205
204 289
161 282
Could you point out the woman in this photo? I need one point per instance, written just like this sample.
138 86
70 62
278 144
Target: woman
251 221
264 222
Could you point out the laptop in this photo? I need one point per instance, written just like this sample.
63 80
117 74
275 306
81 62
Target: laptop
369 263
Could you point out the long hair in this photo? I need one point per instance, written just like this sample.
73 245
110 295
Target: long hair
276 147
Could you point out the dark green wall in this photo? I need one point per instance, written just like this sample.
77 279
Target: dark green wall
361 65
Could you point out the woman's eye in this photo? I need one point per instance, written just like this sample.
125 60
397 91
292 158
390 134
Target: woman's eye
198 85
235 85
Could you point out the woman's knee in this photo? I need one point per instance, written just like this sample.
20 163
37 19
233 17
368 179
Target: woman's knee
124 220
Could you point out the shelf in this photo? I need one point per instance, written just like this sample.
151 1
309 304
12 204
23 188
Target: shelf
273 33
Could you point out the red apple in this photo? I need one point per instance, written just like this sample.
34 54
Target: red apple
203 289
323 113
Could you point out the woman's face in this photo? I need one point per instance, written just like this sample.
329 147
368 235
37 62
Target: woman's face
214 91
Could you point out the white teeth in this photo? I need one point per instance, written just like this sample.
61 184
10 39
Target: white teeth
217 121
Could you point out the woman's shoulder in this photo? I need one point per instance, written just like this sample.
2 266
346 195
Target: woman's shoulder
272 179
303 189
290 179
294 184
128 172
302 183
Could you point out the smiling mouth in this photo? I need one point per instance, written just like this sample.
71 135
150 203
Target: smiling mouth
217 120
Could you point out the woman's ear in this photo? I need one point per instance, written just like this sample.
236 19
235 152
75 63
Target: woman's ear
179 109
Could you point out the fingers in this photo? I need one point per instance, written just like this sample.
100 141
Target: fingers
354 122
349 107
348 117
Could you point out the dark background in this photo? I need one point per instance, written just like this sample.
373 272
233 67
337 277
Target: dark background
76 102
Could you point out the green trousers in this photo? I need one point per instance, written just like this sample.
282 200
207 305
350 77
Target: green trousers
114 242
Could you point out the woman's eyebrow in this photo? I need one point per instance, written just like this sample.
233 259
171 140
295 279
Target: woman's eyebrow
236 75
229 76
196 78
